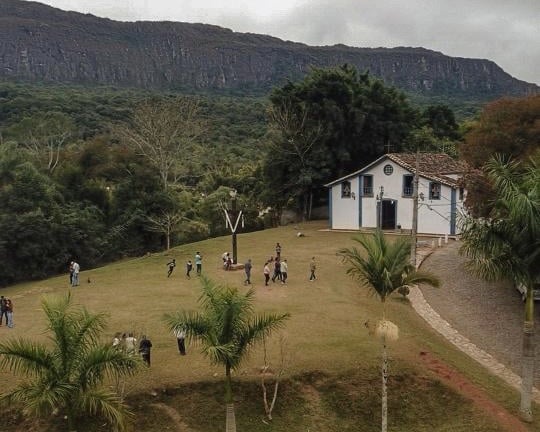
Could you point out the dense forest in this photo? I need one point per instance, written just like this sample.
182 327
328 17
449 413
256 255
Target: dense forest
100 173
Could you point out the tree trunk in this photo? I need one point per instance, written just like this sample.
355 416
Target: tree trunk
527 366
310 205
384 393
230 422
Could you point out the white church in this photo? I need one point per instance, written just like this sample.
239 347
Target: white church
381 194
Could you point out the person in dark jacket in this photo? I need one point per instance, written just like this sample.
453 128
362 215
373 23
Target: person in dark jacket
3 309
144 349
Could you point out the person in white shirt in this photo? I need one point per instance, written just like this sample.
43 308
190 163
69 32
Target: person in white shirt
284 268
76 270
131 344
180 334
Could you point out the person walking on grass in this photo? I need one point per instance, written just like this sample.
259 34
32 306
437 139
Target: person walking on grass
247 269
198 263
277 270
312 268
266 273
144 349
189 267
284 268
180 334
171 265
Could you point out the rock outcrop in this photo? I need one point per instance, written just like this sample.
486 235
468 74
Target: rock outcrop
41 43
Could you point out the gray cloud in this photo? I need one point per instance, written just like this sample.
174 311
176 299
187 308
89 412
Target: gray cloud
500 30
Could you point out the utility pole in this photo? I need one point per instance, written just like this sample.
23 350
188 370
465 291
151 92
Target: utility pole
414 230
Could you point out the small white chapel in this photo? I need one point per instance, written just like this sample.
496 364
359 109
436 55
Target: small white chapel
381 194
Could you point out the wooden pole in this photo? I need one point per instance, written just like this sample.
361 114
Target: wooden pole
414 230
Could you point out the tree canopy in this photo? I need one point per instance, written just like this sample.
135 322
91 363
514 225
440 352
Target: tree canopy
326 125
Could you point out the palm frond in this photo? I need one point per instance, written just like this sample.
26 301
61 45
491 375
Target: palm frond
40 397
106 404
383 266
255 331
26 358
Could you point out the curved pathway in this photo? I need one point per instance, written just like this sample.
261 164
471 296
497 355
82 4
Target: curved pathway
482 319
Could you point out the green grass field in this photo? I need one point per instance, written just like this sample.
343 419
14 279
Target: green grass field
331 381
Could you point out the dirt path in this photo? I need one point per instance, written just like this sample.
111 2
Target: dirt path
455 380
174 416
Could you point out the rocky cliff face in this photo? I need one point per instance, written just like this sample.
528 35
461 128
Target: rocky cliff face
40 43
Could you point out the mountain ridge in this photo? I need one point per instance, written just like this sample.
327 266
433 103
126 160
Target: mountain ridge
42 43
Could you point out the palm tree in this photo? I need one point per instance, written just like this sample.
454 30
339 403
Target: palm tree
507 245
67 373
227 327
384 267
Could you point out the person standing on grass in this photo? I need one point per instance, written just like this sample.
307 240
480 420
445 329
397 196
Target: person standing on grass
71 272
116 341
312 268
198 263
9 311
76 270
247 269
180 334
130 343
266 273
284 269
189 267
3 310
277 270
144 349
171 265
278 250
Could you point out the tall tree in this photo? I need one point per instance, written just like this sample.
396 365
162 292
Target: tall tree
68 375
164 132
327 125
227 327
506 244
510 127
384 268
441 120
44 136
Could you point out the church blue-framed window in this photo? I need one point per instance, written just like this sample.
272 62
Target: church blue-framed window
367 189
408 185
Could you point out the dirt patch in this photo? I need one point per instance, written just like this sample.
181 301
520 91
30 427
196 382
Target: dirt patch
455 380
174 416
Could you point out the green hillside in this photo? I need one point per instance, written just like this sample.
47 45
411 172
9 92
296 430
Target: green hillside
331 380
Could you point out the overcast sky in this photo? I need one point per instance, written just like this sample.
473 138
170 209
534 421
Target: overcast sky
505 31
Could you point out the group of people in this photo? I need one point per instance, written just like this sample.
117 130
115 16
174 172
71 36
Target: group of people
128 343
189 266
275 269
6 310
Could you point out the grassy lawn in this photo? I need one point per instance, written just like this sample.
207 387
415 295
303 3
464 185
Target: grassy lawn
332 381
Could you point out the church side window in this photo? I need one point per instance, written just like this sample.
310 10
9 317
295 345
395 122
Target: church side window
346 189
434 191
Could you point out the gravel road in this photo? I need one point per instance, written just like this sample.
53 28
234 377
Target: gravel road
489 314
